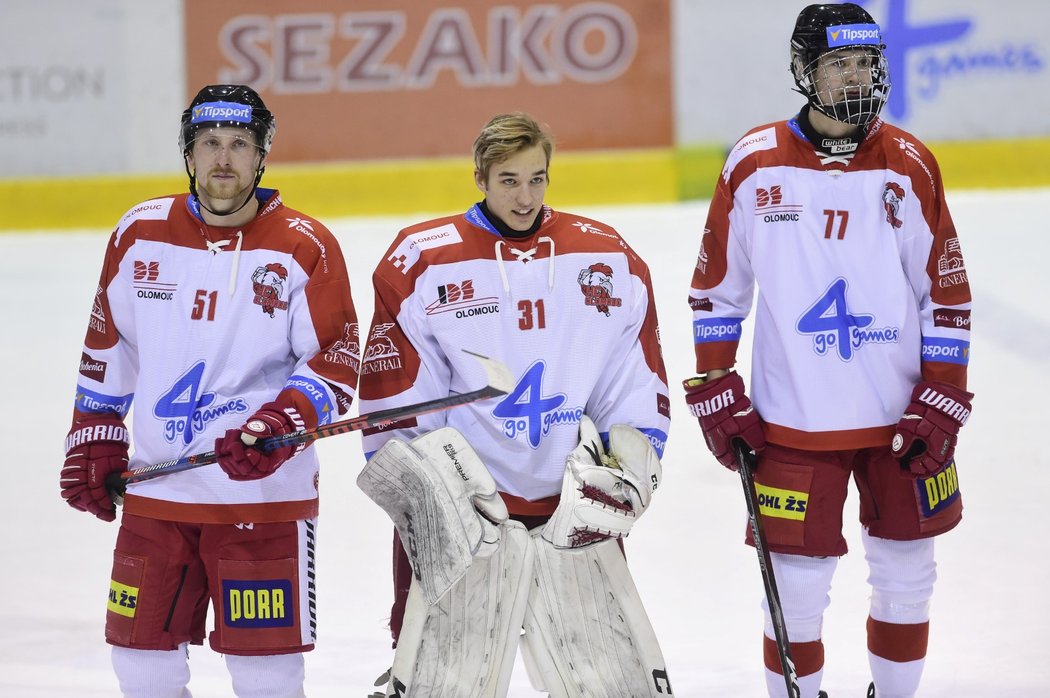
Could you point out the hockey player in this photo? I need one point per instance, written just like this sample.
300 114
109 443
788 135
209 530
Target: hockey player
861 344
568 306
227 317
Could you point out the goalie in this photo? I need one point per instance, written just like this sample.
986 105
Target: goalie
480 576
508 511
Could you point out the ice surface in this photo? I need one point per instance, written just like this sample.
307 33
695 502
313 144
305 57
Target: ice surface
700 583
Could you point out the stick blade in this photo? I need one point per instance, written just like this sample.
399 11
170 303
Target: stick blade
496 372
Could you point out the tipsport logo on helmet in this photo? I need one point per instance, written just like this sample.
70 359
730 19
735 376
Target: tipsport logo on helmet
222 111
853 34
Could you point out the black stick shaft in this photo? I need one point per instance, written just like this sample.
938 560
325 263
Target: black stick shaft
381 418
747 462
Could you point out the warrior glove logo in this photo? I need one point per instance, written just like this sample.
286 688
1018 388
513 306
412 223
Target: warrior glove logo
939 401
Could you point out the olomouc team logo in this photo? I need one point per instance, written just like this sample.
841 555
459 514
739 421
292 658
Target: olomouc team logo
268 284
892 198
596 283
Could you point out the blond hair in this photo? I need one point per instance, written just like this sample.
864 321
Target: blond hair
507 134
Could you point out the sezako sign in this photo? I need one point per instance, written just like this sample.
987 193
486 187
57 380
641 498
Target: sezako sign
374 79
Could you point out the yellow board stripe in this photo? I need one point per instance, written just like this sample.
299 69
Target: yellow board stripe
440 186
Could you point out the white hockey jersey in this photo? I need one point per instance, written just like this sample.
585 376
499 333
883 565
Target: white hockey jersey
862 285
202 325
570 311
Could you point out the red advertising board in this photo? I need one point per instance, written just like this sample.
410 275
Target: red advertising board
373 79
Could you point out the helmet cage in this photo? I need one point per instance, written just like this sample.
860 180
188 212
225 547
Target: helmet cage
836 85
849 84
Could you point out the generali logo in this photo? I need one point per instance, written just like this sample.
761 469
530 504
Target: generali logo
381 354
346 351
950 265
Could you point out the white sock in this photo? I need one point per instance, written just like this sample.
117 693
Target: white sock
267 676
895 679
152 673
808 686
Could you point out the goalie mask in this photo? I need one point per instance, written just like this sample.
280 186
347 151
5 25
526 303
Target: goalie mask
838 63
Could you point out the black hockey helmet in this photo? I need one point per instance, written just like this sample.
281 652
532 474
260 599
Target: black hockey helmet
822 29
228 105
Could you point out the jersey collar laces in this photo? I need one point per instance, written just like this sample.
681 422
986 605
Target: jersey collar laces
525 256
217 246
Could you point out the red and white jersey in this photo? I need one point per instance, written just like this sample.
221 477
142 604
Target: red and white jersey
569 310
862 286
202 325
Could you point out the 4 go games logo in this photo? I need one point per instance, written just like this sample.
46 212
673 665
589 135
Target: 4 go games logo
527 413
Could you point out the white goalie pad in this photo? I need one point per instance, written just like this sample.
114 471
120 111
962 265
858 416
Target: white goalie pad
603 494
586 632
464 646
443 502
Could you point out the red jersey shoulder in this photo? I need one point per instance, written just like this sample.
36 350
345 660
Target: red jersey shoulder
309 239
581 234
142 214
414 248
903 151
317 247
431 234
761 146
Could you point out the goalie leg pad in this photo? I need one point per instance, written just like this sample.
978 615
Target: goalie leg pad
433 490
586 632
464 646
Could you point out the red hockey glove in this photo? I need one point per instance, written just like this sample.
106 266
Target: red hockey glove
96 447
927 433
725 415
237 453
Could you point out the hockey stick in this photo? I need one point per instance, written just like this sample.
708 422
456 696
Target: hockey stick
747 462
500 382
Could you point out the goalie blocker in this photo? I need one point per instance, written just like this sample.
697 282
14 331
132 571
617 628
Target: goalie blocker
443 502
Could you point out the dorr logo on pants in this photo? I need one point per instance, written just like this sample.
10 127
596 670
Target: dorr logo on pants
938 491
260 606
263 603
